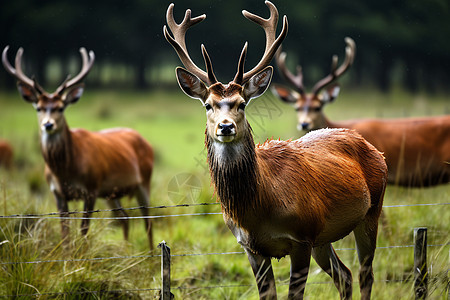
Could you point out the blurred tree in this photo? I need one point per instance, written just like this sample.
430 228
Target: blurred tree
402 41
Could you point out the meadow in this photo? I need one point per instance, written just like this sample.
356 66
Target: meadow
102 265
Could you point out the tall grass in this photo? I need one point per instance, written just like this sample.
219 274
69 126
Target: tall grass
174 125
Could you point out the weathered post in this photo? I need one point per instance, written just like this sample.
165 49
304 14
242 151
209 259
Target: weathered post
165 271
420 263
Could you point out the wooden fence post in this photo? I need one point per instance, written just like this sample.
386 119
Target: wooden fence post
420 263
165 271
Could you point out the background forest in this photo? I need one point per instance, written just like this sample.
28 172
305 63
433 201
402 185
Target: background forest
402 43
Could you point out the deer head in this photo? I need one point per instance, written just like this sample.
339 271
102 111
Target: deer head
310 105
225 103
49 106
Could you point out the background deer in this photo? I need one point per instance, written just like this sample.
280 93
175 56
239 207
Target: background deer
6 155
80 164
417 150
283 197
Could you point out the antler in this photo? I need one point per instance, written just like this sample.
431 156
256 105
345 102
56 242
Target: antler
350 50
16 72
296 80
20 76
178 42
87 64
269 25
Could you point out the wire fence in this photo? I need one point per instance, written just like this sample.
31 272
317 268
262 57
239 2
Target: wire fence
56 215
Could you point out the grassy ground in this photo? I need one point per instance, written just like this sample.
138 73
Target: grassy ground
174 125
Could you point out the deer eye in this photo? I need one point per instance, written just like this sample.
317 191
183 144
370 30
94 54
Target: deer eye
208 106
56 109
242 106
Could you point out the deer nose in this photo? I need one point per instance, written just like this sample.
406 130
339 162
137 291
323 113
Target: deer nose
48 126
303 126
226 128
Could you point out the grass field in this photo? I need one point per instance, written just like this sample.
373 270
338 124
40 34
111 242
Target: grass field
174 125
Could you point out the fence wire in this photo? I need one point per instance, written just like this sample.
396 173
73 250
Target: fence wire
182 255
57 215
157 290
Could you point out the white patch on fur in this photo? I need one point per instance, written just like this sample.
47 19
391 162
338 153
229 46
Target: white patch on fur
44 140
227 152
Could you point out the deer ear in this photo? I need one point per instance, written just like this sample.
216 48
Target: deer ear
27 92
330 94
73 94
191 84
258 84
285 94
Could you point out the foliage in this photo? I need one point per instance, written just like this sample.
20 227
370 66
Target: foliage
402 41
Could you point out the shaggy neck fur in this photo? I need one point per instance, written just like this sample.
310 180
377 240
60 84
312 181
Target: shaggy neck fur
234 173
57 150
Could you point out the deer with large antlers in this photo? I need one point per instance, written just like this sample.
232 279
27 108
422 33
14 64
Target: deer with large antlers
417 150
81 164
283 197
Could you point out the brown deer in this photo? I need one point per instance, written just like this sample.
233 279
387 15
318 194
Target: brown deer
6 155
417 150
81 164
283 197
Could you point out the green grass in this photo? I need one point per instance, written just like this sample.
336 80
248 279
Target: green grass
174 125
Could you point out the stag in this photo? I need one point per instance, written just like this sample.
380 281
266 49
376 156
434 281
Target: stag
417 150
81 164
6 155
283 197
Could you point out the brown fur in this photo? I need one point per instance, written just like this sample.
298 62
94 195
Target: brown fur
296 180
6 155
109 164
417 150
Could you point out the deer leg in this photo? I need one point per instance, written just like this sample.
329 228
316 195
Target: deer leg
114 203
366 237
142 195
327 259
300 259
262 269
89 203
63 209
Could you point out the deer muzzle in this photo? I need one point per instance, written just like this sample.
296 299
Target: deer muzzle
226 132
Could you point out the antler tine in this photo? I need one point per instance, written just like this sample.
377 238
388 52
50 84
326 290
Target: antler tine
296 80
269 25
17 72
38 87
87 63
240 73
178 42
350 51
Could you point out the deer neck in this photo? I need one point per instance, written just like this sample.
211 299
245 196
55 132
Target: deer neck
329 124
57 149
234 172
